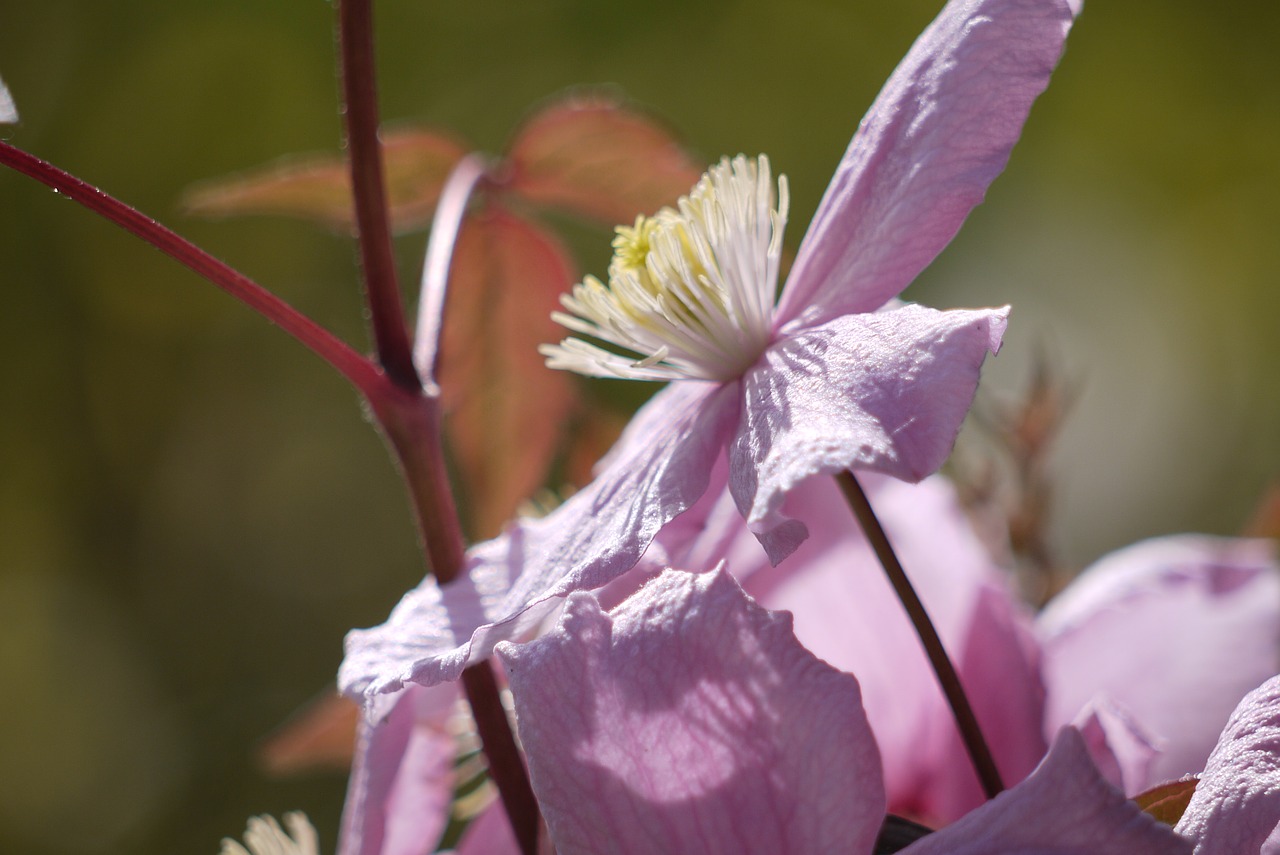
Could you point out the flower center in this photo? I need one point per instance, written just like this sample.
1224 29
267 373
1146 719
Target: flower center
691 290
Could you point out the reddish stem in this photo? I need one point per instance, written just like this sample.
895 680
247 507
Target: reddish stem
412 419
364 152
362 373
966 721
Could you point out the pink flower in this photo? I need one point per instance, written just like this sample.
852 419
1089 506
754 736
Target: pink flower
831 378
710 729
1147 652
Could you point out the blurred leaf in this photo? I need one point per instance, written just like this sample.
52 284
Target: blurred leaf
593 434
1265 521
505 409
317 187
1167 801
599 159
319 736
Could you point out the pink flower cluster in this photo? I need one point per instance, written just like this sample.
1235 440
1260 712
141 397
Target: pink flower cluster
671 711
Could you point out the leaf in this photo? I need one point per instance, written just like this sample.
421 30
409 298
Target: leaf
596 158
318 187
319 736
505 410
1265 521
1168 801
8 110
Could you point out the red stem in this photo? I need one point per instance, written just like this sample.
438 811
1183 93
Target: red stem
364 151
411 420
362 373
966 721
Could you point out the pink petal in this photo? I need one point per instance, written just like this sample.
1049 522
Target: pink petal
846 613
1120 748
707 728
1236 806
8 112
1174 631
489 834
939 133
658 469
402 780
1064 808
884 391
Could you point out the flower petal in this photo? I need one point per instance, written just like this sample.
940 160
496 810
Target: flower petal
659 468
707 729
1064 808
8 112
884 391
402 780
1120 748
846 612
1174 631
938 134
1236 806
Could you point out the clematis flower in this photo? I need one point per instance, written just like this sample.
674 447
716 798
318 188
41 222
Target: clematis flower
711 729
1147 651
265 837
830 378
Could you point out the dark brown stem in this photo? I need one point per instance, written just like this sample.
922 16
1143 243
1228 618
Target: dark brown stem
373 227
506 768
362 373
970 733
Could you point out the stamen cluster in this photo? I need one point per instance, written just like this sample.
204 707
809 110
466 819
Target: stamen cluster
691 290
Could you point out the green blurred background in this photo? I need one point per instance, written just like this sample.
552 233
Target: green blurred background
192 508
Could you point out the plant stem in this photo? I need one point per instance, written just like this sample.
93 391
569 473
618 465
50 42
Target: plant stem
971 734
412 420
373 227
362 373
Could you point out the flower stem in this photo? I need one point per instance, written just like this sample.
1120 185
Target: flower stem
373 227
362 373
971 734
412 420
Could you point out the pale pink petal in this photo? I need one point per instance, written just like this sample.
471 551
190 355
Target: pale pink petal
938 134
1120 748
885 391
1174 631
847 614
1064 808
402 779
8 112
489 834
514 580
1236 806
707 729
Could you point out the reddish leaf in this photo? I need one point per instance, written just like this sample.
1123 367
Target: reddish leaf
1168 801
505 409
599 159
321 735
317 187
1266 517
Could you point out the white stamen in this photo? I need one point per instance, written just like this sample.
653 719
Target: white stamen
265 837
691 290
